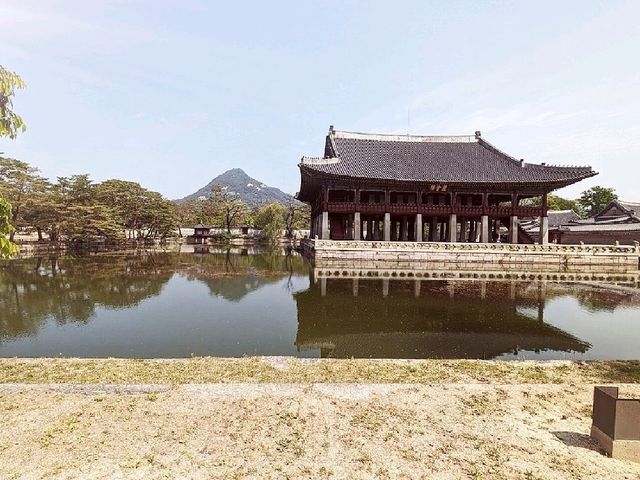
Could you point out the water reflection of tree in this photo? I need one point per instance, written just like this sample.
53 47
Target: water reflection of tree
232 276
70 289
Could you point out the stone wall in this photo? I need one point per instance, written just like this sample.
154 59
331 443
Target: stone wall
474 256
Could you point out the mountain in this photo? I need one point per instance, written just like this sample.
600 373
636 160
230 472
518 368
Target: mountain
249 190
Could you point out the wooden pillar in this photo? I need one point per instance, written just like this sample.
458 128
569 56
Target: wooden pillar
433 230
387 227
513 229
419 227
484 233
357 227
453 227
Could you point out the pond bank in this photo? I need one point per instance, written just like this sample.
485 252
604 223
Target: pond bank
278 417
296 370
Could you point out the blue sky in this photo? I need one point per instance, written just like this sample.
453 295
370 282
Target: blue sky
173 93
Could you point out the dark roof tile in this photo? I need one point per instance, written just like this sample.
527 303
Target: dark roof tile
451 159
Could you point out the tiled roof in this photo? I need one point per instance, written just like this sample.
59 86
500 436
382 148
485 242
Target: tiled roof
599 227
449 159
562 217
556 219
632 208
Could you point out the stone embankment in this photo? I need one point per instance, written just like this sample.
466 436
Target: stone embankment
568 260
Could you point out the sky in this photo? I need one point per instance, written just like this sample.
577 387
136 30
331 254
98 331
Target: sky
172 93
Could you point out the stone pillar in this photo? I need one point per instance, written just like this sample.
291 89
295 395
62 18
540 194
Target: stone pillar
464 231
324 235
323 287
419 227
355 286
357 228
484 229
404 229
513 229
544 230
453 227
416 288
387 227
385 287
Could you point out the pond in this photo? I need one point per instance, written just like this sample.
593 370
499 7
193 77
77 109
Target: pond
230 303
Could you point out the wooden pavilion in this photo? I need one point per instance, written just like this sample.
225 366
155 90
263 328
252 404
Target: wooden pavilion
426 188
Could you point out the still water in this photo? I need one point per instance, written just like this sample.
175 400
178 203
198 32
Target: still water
235 303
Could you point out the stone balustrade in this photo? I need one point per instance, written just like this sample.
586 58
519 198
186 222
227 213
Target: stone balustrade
475 256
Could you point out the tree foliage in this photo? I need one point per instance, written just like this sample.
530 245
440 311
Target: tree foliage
23 187
7 248
143 213
297 217
224 208
555 202
77 210
271 219
10 122
596 198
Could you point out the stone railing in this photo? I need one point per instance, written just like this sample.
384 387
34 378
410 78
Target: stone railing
469 247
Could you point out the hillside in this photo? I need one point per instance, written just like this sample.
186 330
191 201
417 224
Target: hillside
249 190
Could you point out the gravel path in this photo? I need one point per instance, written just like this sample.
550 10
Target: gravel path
240 430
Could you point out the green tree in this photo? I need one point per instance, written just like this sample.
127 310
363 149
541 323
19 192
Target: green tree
223 208
10 122
20 184
297 216
187 214
596 198
7 248
555 202
43 212
83 218
271 219
137 209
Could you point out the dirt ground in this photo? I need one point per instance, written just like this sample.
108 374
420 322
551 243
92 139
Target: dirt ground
266 430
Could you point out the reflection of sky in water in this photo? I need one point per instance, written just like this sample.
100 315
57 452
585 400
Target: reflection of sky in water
613 334
177 306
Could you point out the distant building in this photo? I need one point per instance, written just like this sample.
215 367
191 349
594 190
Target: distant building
421 188
617 222
556 218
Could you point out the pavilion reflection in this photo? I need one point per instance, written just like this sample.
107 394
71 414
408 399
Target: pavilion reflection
399 318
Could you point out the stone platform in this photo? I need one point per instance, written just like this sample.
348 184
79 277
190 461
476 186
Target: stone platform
569 260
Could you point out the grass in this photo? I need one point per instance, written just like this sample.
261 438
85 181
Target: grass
261 370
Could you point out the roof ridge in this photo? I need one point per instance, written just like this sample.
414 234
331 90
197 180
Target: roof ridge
394 137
